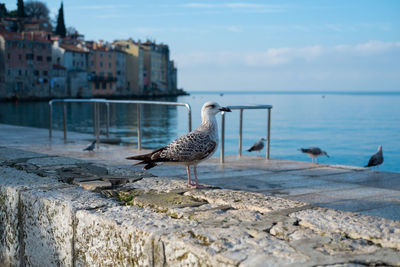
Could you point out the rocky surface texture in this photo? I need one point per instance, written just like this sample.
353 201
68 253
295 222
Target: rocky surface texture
59 211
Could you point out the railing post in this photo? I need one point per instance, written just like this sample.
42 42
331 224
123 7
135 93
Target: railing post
190 119
222 150
50 119
139 136
240 132
107 118
268 134
65 120
97 124
94 118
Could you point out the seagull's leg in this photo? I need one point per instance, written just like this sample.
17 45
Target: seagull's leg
188 175
196 185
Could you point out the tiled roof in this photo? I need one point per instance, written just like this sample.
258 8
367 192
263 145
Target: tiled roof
73 48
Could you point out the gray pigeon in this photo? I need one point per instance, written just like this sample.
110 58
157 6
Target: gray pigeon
91 147
257 146
376 159
314 152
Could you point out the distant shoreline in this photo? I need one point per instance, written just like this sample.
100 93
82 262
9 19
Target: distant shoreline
132 97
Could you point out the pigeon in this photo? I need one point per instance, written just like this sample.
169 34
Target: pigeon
257 146
91 147
314 152
189 149
376 159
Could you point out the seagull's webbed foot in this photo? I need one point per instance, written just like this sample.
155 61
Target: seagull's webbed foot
197 186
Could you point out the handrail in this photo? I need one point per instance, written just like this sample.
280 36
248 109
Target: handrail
96 113
241 108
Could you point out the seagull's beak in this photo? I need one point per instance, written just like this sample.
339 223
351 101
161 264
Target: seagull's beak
225 109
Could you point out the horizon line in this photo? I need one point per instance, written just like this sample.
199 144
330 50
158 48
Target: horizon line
301 92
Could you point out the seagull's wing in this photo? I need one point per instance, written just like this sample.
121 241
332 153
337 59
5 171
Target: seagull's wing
190 147
194 146
257 146
376 159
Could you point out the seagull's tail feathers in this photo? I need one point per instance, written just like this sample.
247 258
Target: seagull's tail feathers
150 159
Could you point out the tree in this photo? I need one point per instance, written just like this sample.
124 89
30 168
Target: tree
37 9
60 28
20 9
3 10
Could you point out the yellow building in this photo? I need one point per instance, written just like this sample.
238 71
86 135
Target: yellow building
134 65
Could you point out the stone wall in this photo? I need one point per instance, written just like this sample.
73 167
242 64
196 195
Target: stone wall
46 219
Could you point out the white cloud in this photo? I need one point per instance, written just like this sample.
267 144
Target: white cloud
367 66
285 55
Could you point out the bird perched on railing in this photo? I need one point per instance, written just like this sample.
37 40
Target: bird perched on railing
376 159
257 146
189 149
314 152
91 147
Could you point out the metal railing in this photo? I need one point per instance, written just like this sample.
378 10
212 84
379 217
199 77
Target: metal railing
106 102
241 108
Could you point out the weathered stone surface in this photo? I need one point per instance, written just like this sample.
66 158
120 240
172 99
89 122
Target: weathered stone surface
131 235
13 154
92 185
244 200
48 221
12 183
54 161
378 230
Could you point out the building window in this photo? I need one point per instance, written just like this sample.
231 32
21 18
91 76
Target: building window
8 56
104 85
97 84
20 72
29 56
101 64
19 57
45 72
109 65
36 73
39 58
48 59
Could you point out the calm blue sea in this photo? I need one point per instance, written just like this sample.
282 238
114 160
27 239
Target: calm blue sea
348 126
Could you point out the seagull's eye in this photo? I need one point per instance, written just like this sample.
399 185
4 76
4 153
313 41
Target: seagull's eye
211 106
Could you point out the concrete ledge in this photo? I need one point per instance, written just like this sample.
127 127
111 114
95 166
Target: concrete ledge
157 221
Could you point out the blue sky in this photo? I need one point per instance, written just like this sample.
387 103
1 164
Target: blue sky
326 45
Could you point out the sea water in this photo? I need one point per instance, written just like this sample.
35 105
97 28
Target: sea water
348 126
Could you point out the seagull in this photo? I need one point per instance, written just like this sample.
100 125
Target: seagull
376 159
257 146
189 149
91 147
314 152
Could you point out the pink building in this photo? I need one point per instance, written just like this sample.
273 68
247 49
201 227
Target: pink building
26 67
103 67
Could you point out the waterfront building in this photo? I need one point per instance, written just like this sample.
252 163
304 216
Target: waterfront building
160 72
25 64
134 65
108 70
75 59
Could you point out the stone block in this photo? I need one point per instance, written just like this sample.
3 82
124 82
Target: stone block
47 226
378 230
12 183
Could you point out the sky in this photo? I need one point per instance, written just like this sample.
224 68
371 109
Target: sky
324 45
